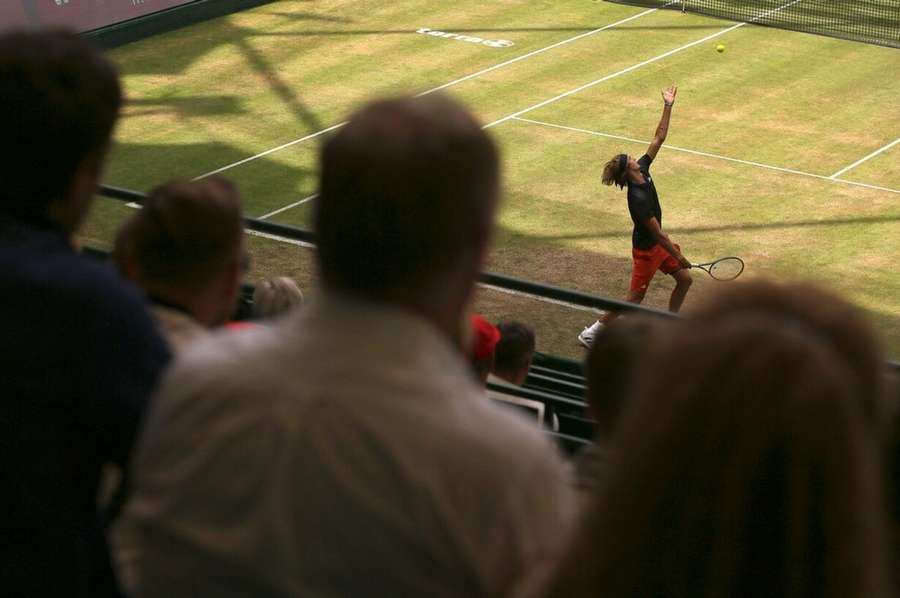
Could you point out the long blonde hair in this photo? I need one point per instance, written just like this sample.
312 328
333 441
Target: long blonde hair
615 172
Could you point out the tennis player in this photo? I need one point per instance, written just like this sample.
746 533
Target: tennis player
652 249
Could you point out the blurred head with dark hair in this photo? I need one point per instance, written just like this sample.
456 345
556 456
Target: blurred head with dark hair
618 354
748 463
407 196
893 462
185 247
59 101
514 352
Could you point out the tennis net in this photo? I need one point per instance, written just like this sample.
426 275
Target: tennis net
870 21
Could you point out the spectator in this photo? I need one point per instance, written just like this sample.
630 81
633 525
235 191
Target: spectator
274 297
616 357
514 359
748 463
514 352
893 467
485 337
78 353
185 249
347 451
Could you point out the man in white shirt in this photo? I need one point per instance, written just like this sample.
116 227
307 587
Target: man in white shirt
347 451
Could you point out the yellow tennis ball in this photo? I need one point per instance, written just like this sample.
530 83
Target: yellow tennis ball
720 48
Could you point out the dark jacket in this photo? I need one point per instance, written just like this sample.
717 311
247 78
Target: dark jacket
79 357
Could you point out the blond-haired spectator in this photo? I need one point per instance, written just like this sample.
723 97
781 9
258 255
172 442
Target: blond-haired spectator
275 296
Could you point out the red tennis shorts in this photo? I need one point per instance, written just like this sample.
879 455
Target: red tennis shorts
647 262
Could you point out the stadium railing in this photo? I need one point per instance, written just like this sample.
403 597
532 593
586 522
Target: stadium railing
566 374
526 287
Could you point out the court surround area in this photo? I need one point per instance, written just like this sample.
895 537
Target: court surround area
784 149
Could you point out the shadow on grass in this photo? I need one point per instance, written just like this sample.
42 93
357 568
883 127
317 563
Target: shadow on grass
732 227
143 166
309 16
183 106
540 259
288 94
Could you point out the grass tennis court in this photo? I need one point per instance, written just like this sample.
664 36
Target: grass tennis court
783 149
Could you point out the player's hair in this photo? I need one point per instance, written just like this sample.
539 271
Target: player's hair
59 101
407 188
515 347
186 233
614 172
748 463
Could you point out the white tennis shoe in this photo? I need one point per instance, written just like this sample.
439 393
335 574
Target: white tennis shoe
586 337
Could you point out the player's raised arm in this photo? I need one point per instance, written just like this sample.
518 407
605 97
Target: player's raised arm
663 128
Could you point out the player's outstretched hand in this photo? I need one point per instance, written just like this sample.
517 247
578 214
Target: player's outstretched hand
668 94
685 263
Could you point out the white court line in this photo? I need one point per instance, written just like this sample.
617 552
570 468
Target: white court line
709 155
288 207
279 238
541 50
635 66
440 87
270 151
858 162
612 76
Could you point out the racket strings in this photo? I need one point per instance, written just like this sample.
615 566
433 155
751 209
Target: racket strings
727 268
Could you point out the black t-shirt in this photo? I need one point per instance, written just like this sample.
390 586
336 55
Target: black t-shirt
643 204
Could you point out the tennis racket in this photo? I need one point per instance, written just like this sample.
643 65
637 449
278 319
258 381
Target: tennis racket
726 268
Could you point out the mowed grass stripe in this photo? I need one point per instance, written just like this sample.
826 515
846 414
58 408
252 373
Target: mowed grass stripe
709 155
432 90
498 93
797 100
238 88
638 65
